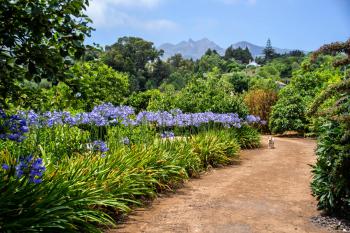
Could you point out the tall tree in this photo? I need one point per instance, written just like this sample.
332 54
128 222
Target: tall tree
248 55
239 54
210 52
39 39
158 72
131 54
229 53
268 51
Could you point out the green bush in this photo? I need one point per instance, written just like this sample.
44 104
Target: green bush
211 93
95 83
247 137
331 173
141 100
215 148
289 113
331 176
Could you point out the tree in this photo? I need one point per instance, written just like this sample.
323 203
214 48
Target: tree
177 62
210 94
268 51
39 39
140 100
296 53
97 83
178 79
239 54
131 54
238 80
289 113
210 52
92 52
259 103
209 62
158 71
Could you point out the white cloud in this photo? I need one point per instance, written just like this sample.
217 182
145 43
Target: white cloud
105 14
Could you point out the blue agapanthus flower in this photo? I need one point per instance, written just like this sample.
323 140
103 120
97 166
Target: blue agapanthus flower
100 146
12 127
31 168
125 141
5 166
167 134
106 114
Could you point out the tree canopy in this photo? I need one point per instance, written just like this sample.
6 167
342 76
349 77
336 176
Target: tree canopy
39 39
239 54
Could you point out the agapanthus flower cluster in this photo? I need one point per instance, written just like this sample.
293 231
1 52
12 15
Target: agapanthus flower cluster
100 146
31 168
101 115
167 134
107 114
179 119
252 119
125 141
4 166
12 127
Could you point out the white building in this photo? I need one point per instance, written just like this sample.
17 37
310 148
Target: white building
253 64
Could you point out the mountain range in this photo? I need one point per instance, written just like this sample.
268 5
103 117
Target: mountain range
196 49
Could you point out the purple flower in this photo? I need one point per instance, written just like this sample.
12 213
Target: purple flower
100 146
252 119
125 141
12 127
5 166
31 168
167 134
24 129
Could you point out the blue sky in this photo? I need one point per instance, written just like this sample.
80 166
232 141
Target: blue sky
293 24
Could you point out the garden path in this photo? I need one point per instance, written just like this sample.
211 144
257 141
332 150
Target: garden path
268 191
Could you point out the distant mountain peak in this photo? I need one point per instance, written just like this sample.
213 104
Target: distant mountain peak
191 48
196 49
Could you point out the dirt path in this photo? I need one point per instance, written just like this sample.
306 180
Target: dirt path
268 192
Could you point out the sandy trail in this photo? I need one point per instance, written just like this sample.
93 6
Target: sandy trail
268 192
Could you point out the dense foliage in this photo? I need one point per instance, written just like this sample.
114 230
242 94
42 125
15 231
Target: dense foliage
95 83
75 172
331 180
289 113
260 102
39 40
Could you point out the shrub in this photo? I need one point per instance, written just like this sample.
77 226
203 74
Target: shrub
331 177
141 100
259 103
289 113
211 94
96 83
247 137
215 148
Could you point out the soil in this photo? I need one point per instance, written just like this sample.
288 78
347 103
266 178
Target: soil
269 191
